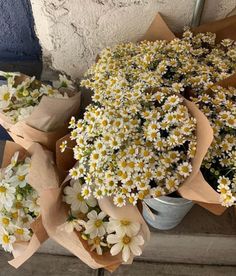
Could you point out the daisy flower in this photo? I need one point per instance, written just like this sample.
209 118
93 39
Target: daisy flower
125 244
123 227
95 226
6 240
119 200
22 234
74 198
184 169
7 195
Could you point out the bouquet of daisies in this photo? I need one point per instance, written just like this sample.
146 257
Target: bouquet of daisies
84 226
219 166
111 235
35 112
21 229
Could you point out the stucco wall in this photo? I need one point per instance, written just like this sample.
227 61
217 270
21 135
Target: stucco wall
72 32
17 37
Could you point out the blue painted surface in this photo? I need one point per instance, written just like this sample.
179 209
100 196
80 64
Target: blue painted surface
17 37
4 135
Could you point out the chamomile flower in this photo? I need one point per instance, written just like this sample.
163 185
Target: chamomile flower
119 200
184 169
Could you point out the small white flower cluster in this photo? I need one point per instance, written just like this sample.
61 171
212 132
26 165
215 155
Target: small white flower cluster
18 203
18 98
131 154
193 62
219 166
102 232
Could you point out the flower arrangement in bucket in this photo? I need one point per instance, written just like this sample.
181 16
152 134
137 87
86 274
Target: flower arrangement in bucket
138 139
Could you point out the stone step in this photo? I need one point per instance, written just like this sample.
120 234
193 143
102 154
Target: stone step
54 265
201 238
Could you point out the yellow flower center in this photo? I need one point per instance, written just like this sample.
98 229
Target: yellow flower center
19 231
15 215
126 239
224 181
21 177
74 173
223 191
95 156
50 91
98 223
5 221
185 169
80 197
6 96
131 200
2 189
157 193
125 222
120 200
97 241
6 239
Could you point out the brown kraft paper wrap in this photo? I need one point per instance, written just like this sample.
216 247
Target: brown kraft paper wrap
195 188
22 251
215 208
48 121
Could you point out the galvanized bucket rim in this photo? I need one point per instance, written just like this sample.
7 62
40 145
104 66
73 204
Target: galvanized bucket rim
170 200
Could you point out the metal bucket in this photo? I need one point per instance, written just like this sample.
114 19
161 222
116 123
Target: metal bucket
167 212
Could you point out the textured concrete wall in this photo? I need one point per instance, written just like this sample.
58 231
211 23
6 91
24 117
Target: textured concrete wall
17 37
72 32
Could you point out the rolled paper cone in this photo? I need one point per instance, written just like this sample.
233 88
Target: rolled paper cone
54 215
158 30
195 187
44 178
22 251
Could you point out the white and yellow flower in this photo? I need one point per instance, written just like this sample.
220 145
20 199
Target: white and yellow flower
126 244
95 226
